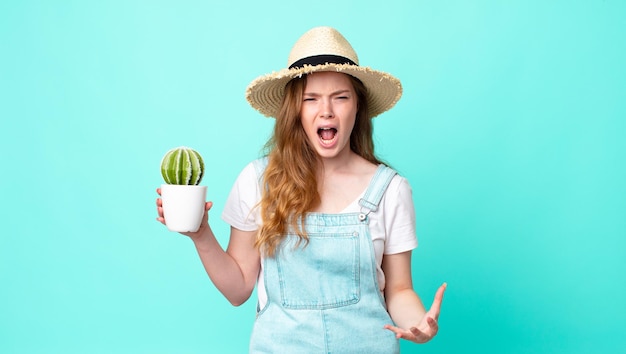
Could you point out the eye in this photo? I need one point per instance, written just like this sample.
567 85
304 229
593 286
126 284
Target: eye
308 99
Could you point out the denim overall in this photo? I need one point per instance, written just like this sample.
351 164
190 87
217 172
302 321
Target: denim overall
323 297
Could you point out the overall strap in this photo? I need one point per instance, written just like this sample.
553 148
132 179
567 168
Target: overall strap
374 193
375 190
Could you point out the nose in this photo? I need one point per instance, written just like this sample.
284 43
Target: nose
327 109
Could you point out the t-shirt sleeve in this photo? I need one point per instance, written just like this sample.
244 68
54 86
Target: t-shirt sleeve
399 217
240 210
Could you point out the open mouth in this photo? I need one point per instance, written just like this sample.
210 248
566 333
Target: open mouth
327 135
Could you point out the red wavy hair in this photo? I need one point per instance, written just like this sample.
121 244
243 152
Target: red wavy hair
290 178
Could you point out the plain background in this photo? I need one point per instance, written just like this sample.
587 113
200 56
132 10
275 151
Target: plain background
511 132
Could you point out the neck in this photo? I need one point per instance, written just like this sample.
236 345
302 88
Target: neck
340 162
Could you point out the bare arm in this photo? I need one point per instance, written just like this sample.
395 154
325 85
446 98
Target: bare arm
234 271
405 307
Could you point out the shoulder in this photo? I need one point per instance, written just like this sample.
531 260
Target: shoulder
240 208
400 185
398 196
253 170
248 181
399 216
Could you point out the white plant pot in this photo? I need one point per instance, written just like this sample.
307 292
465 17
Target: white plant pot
183 206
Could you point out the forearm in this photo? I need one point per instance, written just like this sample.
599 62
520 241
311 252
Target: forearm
405 307
223 269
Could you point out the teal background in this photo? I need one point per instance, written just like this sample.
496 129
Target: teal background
511 131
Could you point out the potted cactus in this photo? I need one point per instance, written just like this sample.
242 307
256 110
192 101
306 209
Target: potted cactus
183 198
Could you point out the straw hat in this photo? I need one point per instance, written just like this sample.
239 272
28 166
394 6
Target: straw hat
323 49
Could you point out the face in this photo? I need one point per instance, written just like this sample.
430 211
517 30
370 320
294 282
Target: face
328 113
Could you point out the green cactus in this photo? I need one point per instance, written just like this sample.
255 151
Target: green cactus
182 166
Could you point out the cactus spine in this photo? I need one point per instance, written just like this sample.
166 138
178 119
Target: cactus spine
182 166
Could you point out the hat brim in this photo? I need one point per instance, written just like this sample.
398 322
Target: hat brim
265 93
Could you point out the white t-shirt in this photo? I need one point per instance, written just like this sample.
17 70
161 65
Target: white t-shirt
392 226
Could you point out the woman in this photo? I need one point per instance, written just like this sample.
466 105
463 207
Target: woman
320 225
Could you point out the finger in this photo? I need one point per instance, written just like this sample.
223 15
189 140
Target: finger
399 332
440 292
421 336
434 325
436 306
160 211
159 202
161 220
208 206
158 190
416 332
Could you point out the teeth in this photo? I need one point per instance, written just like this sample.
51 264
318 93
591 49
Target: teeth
327 134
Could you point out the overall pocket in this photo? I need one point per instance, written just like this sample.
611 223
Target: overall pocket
321 274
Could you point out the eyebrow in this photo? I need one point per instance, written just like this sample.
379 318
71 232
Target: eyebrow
338 92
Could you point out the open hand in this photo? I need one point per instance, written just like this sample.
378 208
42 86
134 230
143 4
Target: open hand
428 327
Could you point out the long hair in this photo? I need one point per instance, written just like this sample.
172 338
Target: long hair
290 178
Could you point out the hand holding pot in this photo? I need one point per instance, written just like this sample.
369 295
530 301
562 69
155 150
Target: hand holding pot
183 202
